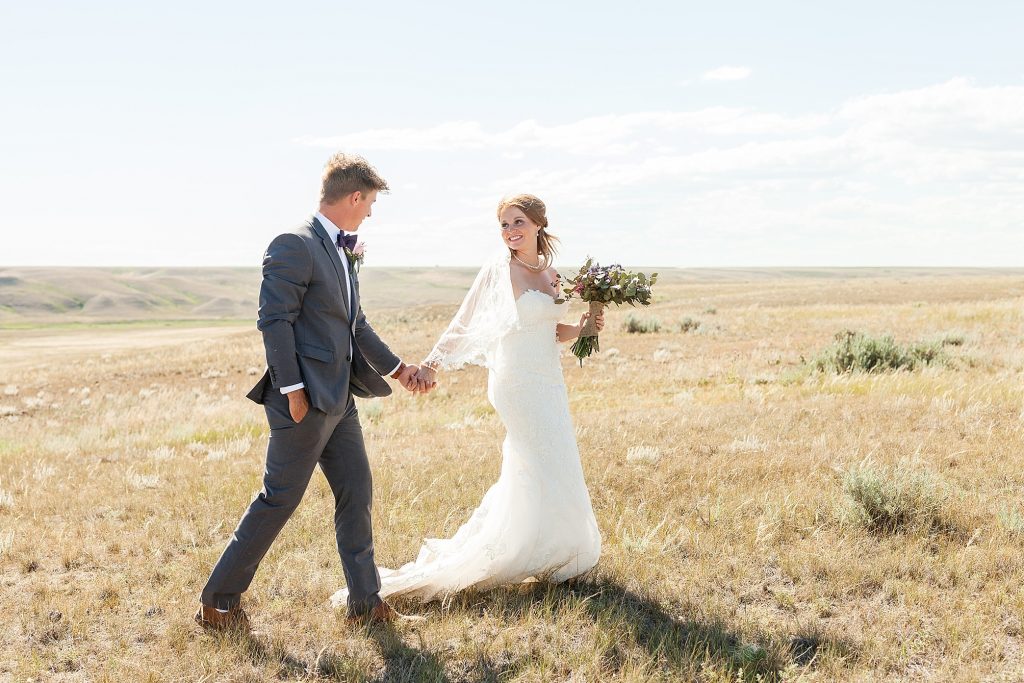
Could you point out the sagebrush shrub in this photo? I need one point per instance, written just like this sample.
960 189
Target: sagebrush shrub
688 324
856 351
896 499
637 325
953 339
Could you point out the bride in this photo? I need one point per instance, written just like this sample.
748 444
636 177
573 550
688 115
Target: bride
535 522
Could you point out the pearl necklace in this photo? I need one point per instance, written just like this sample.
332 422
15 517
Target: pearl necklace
542 263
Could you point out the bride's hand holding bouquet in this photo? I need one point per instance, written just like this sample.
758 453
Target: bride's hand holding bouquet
602 285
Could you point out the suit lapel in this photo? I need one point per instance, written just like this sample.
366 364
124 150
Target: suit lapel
332 253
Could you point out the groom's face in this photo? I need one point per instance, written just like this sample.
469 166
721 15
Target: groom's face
362 208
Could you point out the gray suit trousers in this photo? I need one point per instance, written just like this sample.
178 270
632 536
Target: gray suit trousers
335 442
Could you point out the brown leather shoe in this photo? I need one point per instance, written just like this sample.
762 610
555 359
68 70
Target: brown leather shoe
217 620
382 613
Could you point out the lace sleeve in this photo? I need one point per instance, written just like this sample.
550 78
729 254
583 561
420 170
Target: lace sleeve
487 313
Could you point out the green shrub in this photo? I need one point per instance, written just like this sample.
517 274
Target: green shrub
896 499
953 339
856 351
688 324
637 325
1012 521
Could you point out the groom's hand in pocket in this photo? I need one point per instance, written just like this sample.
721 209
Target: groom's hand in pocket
298 404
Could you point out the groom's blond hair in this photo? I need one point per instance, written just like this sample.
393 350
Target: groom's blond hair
348 173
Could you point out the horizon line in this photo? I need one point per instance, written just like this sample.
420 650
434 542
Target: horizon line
665 267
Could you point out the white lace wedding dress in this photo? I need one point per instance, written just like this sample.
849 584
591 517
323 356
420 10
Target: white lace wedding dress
536 521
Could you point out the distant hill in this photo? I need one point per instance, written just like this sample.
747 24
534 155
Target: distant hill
126 293
118 294
105 294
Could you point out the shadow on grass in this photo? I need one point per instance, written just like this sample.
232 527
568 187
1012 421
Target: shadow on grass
264 653
402 662
680 647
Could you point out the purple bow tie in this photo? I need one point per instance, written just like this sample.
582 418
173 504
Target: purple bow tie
346 241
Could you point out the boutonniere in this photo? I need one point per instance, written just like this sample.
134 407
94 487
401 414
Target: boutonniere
356 255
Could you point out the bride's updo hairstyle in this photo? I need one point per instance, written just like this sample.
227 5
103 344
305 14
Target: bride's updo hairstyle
535 210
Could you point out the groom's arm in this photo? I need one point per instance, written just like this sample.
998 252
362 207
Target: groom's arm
287 269
382 358
373 348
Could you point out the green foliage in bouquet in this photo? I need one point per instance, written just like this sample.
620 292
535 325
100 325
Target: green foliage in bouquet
600 286
611 285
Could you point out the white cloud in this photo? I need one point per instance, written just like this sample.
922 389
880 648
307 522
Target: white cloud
908 177
614 134
728 73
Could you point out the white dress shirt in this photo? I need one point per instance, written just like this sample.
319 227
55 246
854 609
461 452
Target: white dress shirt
333 231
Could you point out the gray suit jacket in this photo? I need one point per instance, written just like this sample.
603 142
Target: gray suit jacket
305 320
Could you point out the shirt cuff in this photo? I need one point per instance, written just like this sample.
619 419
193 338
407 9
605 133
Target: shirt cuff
293 387
395 370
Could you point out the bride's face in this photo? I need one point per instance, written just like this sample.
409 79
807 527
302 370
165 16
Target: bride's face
516 229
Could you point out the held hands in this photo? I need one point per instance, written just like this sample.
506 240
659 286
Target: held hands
417 380
407 378
427 379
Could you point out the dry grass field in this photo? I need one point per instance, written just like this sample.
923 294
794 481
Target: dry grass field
762 520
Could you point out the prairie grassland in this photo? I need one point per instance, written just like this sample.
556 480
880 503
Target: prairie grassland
730 482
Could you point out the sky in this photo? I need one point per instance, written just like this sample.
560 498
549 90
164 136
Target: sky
678 134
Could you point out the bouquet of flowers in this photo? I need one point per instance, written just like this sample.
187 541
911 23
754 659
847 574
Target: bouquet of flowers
602 285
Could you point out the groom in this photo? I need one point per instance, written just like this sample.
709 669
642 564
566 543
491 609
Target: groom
320 352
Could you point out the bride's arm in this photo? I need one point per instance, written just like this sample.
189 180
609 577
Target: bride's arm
567 333
564 333
451 339
487 313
